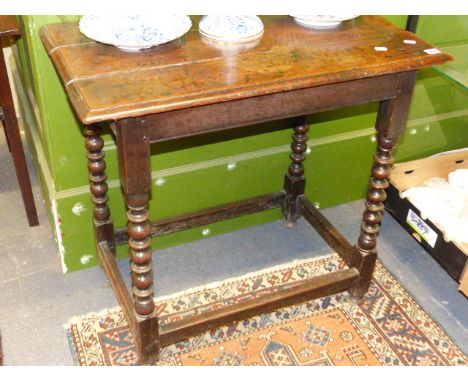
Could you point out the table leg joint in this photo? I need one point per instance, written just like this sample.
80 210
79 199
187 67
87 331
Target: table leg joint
294 180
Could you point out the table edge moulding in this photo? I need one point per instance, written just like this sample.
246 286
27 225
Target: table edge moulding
189 87
75 57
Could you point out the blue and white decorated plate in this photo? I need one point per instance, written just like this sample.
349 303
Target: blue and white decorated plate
134 32
229 28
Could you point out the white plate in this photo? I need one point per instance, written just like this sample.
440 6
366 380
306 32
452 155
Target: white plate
321 21
134 32
231 28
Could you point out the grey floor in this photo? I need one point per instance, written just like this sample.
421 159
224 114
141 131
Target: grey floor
36 299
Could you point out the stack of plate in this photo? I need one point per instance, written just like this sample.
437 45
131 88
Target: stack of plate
321 21
135 32
237 29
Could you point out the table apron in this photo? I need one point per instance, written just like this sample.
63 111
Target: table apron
231 114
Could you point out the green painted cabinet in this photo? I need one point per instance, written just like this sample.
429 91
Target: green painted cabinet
233 165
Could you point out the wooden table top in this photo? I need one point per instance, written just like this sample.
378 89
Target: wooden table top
106 83
9 26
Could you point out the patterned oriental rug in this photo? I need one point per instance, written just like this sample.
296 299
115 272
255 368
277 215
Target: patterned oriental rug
387 328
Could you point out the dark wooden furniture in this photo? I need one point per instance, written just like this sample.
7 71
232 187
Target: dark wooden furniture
412 23
10 27
191 87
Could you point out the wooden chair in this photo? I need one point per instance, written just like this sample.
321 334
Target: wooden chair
9 27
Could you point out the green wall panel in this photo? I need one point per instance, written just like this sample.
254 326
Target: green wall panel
204 171
443 30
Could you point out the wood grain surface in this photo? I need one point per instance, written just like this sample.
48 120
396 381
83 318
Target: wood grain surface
106 83
9 26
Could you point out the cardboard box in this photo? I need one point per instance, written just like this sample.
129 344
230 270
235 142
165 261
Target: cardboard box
452 256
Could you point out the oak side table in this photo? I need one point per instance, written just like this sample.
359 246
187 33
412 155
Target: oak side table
191 87
9 27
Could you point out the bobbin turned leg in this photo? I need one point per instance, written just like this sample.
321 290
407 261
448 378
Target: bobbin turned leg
103 226
134 156
373 215
294 180
391 122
